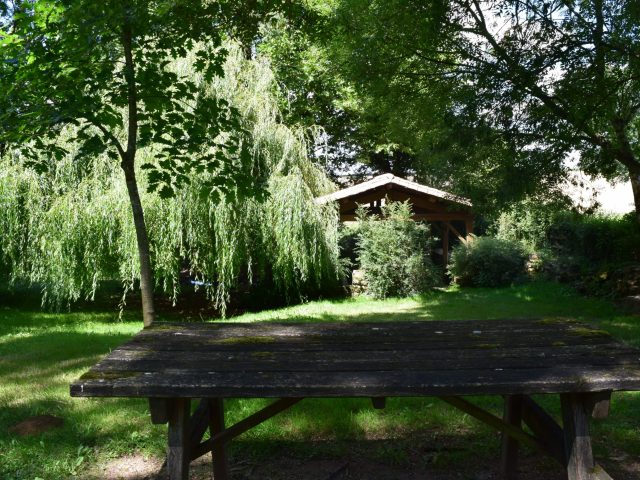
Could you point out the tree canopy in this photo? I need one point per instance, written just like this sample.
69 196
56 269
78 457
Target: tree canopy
485 98
69 229
491 96
105 69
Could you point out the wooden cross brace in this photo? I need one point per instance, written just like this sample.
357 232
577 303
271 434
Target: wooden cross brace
570 445
186 431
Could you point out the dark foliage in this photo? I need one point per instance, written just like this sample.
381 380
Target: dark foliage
487 262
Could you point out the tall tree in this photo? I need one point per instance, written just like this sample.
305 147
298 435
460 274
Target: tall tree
550 77
70 227
105 69
354 75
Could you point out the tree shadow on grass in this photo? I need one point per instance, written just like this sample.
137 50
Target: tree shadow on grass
424 455
35 372
25 303
36 367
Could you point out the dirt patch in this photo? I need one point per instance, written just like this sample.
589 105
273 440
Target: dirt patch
131 467
363 469
533 467
36 425
355 464
138 467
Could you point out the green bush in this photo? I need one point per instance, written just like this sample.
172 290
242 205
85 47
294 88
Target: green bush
528 222
394 252
487 262
596 238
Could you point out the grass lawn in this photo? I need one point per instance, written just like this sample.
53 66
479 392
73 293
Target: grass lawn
41 353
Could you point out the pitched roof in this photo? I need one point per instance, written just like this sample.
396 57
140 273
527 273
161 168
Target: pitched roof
390 179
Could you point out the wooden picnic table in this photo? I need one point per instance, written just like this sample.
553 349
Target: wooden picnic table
171 364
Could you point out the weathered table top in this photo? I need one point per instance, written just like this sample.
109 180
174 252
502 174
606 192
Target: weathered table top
364 359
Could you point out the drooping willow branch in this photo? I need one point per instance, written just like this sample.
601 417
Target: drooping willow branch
71 229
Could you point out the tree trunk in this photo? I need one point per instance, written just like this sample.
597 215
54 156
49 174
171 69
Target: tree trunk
634 176
128 165
146 273
247 51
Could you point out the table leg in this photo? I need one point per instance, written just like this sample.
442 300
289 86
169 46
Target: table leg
218 453
178 459
580 465
512 416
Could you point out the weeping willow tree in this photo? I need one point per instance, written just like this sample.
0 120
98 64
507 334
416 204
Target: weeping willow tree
71 229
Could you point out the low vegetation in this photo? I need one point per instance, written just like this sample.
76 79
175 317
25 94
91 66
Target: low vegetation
394 252
40 353
487 262
596 253
595 237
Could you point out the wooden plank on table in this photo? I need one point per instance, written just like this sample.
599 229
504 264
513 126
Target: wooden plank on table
232 335
486 344
253 343
532 354
391 325
312 332
228 337
332 362
176 382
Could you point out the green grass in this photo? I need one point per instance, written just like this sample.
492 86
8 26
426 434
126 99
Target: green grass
41 353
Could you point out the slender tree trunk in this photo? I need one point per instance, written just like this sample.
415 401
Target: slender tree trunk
128 166
634 176
146 273
626 156
247 51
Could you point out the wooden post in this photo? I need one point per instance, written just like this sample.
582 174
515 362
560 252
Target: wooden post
512 416
159 409
577 441
219 451
597 404
445 244
178 457
468 226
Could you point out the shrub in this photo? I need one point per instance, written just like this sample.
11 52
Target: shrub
394 252
596 238
487 262
529 222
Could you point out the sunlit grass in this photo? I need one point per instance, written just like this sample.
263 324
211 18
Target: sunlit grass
41 353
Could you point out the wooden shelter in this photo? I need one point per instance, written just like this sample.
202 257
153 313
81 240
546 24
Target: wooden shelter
447 213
